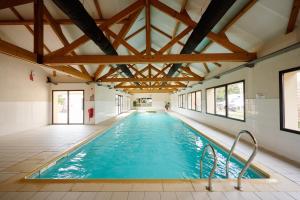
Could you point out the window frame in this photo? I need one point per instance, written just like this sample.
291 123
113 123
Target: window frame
226 100
281 100
200 100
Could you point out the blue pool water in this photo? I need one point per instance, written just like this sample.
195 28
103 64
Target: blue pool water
144 146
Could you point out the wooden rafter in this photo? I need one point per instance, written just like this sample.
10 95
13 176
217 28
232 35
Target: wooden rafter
293 16
175 40
15 51
206 67
11 3
135 33
38 31
247 7
65 69
97 5
125 29
148 28
59 21
153 86
189 22
58 31
189 71
151 91
104 26
133 59
183 5
18 15
165 79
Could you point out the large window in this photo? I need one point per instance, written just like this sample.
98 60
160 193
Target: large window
184 101
119 104
290 100
189 101
227 100
210 101
180 101
194 100
199 101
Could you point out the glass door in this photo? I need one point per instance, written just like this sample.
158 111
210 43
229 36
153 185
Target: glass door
68 107
60 107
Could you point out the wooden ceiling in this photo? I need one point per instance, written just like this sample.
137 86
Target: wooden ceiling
150 78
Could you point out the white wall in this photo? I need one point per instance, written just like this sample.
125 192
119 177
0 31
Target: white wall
159 100
262 114
24 103
105 107
89 96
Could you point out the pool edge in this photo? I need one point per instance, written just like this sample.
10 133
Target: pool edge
270 176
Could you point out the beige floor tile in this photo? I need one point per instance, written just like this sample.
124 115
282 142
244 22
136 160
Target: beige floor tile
85 187
168 196
200 195
24 196
184 196
57 187
155 187
25 166
103 196
31 187
136 196
119 196
178 187
56 195
87 196
116 187
40 196
152 196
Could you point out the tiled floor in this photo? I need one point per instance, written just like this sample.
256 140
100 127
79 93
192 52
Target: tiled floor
23 152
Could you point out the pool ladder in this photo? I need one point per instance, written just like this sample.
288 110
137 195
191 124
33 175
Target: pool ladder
250 159
247 165
209 187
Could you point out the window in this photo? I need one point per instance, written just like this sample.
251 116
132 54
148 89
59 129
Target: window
184 101
119 104
220 100
227 101
189 101
210 101
235 98
180 101
290 100
199 101
193 100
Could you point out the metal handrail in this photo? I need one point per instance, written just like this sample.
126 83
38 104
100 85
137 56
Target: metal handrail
209 187
248 161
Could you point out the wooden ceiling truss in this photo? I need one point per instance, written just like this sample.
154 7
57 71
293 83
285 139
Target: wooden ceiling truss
151 77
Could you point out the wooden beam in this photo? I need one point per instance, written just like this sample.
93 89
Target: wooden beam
98 9
175 40
38 30
165 79
99 71
189 22
125 29
151 87
15 51
18 15
135 33
293 16
119 16
247 7
71 71
151 91
189 71
11 3
206 67
58 21
183 5
148 28
58 31
132 59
